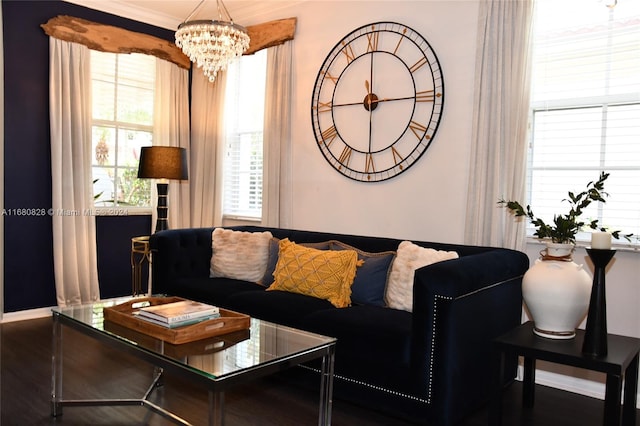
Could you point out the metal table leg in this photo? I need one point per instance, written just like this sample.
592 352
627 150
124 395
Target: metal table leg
326 387
56 368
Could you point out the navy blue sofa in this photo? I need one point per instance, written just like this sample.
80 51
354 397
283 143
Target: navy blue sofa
431 366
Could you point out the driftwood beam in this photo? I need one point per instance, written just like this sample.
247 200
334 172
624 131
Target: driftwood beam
270 34
107 38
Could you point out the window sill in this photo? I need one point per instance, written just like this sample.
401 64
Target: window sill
615 245
239 218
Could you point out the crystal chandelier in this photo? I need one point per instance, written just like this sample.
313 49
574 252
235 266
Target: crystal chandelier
211 45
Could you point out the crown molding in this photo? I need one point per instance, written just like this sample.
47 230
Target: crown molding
131 11
170 14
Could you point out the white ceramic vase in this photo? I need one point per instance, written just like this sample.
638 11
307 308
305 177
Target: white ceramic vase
556 292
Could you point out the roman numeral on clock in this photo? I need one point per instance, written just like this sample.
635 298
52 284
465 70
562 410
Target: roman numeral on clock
324 106
372 41
397 158
417 129
328 76
369 166
329 135
348 52
425 96
395 51
415 67
345 156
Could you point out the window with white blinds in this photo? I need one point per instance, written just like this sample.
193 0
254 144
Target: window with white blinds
123 92
244 123
585 109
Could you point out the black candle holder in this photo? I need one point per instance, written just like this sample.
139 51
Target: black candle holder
595 337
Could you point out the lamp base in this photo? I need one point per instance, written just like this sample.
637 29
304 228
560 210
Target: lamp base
162 222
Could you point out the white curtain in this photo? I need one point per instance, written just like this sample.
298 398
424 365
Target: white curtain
74 231
276 202
207 149
499 139
207 134
171 128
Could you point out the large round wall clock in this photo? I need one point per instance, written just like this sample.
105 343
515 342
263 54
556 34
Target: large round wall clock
377 101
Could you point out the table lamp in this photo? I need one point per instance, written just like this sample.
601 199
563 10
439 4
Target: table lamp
163 163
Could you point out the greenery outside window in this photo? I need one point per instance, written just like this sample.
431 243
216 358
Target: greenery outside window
123 105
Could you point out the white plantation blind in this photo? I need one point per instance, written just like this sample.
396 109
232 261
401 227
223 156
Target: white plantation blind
586 109
244 123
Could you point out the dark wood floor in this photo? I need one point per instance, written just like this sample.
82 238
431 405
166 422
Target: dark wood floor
25 378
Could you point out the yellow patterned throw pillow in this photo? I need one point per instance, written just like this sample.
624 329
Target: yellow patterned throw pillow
319 273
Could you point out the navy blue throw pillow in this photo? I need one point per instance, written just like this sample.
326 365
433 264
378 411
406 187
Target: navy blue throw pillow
370 283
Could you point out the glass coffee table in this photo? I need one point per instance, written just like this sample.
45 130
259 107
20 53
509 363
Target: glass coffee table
215 363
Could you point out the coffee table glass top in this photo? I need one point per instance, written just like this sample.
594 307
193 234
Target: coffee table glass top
217 357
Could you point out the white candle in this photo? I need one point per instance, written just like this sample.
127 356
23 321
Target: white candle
601 240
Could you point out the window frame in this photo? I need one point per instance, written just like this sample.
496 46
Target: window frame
234 133
117 126
603 102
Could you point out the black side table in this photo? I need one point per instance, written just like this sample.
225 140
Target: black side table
620 363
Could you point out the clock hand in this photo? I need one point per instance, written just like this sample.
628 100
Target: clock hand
371 99
370 89
367 106
396 99
367 99
423 96
348 104
370 102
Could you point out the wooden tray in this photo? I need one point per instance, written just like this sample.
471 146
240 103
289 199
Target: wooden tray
206 346
229 321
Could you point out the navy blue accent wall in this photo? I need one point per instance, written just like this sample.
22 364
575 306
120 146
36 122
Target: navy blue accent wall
113 234
28 244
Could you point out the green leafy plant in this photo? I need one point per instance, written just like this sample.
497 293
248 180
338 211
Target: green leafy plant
565 226
134 191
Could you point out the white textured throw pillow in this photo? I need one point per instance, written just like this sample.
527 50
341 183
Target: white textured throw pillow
409 258
238 254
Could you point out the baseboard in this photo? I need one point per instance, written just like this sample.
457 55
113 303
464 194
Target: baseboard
574 380
26 315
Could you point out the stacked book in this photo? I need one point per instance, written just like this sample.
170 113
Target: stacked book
178 314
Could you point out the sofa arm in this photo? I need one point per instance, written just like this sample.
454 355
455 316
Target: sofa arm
459 306
177 254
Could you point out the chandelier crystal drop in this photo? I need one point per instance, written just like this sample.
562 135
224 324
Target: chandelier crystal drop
212 44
